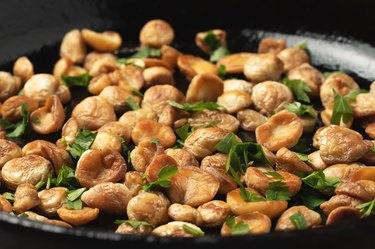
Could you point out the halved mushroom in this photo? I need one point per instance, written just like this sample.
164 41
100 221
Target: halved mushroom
342 215
263 67
234 63
271 45
191 65
192 186
131 118
250 119
310 75
5 205
258 180
49 151
23 68
179 212
342 145
174 229
362 189
257 223
157 76
108 197
293 57
78 217
8 151
288 161
170 55
148 129
51 200
151 207
98 83
282 130
219 119
204 87
234 101
134 181
339 201
25 198
238 206
341 83
95 167
9 85
107 41
73 47
182 157
118 98
284 223
201 36
343 171
214 213
27 169
49 118
156 97
202 141
93 112
156 33
239 85
270 97
216 165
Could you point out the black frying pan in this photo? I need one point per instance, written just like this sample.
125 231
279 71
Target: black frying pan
340 35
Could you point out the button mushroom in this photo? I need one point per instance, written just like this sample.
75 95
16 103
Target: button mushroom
362 189
310 75
78 217
270 97
342 215
214 118
263 67
214 213
179 212
239 85
192 186
73 47
142 155
174 229
238 205
9 85
202 141
149 129
204 87
5 205
169 55
134 181
293 57
216 165
234 101
257 223
118 98
106 142
27 169
158 76
182 157
111 198
201 36
282 130
151 207
250 119
342 171
156 33
93 112
107 41
131 118
234 63
25 198
271 45
23 68
95 167
339 201
8 151
50 117
11 108
285 223
51 200
287 160
191 65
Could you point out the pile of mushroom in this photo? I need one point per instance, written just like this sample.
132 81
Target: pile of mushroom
242 151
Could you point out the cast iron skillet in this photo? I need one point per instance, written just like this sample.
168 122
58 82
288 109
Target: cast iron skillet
340 36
